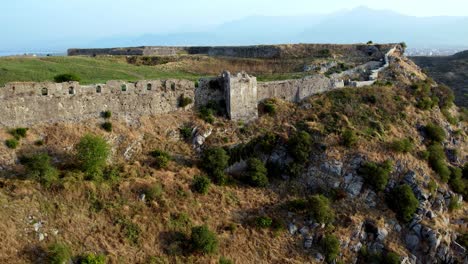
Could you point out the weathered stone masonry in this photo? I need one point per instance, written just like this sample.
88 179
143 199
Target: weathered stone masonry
23 104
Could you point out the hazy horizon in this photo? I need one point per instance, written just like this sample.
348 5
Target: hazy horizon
54 25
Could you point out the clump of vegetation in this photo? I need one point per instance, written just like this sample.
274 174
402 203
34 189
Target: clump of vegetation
92 259
331 247
214 162
404 145
349 138
203 240
320 209
207 114
224 260
300 146
107 126
256 173
201 184
39 167
451 119
457 182
434 133
59 253
341 67
455 203
12 143
403 202
66 77
377 257
106 114
186 131
376 175
153 192
438 162
184 101
130 230
92 153
263 222
19 133
269 106
161 158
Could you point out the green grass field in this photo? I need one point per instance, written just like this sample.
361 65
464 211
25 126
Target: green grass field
90 70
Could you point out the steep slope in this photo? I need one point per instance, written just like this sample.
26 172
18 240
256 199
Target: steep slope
451 71
316 184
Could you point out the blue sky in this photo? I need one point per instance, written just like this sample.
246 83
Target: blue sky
54 20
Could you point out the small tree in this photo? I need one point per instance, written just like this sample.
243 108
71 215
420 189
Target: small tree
376 175
38 167
214 162
320 210
66 77
403 202
162 158
201 184
300 146
107 126
92 153
203 240
12 143
331 247
256 173
263 222
438 162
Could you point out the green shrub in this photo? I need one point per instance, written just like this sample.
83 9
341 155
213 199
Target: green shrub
66 77
39 167
19 133
92 259
203 240
107 126
206 114
184 101
300 146
58 253
92 153
451 119
438 162
376 175
263 222
256 173
454 203
186 132
456 182
201 184
224 260
391 258
39 142
349 138
426 103
445 96
331 247
405 145
12 143
269 106
214 162
161 158
154 192
403 202
320 210
297 205
130 230
435 133
106 114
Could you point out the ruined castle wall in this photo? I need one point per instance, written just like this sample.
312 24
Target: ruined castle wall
297 90
22 104
241 96
209 89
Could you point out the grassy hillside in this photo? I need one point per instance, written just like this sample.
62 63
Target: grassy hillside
451 71
147 203
91 70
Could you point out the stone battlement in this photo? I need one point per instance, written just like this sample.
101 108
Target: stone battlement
26 103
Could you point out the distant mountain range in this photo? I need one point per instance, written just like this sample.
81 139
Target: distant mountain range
358 25
352 26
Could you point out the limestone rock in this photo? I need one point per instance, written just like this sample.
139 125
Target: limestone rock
412 241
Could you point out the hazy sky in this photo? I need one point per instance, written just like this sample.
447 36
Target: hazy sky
35 20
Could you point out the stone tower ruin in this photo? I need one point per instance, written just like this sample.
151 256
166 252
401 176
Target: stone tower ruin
241 96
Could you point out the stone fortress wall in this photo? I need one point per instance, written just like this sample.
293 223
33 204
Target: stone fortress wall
256 51
27 103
